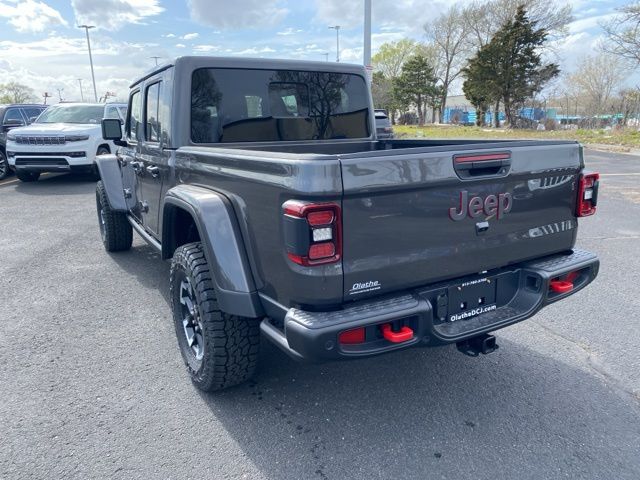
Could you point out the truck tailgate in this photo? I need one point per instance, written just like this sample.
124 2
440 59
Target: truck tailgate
411 218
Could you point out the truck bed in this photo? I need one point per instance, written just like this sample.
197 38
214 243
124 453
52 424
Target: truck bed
396 198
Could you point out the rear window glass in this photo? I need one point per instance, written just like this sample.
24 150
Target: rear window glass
232 105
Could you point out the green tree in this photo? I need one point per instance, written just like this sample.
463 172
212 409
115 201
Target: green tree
14 92
479 89
387 63
392 55
382 91
509 69
416 85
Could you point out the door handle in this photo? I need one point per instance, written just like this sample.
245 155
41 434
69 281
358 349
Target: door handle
153 170
137 167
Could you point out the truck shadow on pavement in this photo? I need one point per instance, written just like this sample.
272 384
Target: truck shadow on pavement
421 413
58 184
431 413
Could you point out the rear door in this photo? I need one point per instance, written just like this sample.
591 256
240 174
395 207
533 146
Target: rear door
410 219
151 157
129 163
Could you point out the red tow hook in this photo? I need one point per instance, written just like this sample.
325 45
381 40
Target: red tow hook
561 286
403 335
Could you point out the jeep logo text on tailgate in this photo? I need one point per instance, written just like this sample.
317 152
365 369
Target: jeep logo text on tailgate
496 205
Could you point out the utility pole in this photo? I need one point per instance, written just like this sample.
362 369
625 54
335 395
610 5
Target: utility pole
81 92
326 56
155 58
337 29
60 90
46 95
367 33
93 77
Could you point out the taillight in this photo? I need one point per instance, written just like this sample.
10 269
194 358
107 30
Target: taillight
587 194
312 232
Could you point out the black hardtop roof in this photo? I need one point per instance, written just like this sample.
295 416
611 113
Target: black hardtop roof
6 105
193 62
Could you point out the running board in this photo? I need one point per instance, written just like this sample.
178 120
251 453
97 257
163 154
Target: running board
144 234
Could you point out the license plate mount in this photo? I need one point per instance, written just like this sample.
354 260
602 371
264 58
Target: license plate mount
471 298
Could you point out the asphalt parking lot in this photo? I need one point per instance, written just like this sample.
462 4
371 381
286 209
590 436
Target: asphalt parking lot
92 384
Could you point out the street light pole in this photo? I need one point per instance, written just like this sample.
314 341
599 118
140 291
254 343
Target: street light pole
367 33
337 29
81 92
93 77
156 59
326 56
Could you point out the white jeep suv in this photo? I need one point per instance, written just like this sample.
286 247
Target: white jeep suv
65 138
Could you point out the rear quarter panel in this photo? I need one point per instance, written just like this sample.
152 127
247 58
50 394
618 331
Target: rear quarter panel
257 184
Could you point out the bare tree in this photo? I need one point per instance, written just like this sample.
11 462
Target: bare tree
447 33
623 33
629 105
483 19
596 80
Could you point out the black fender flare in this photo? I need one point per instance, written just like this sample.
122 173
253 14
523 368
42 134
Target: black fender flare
223 245
112 180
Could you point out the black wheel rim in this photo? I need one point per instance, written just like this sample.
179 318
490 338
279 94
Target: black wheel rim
101 220
4 166
191 320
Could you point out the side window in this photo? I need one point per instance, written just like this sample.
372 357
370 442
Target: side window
289 99
151 115
134 120
13 117
254 106
111 112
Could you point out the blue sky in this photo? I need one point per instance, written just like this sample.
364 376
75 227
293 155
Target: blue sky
41 46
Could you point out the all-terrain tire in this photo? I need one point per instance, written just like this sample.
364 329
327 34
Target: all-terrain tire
4 166
27 176
115 229
228 350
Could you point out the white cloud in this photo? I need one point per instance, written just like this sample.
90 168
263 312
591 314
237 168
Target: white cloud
114 14
254 51
180 45
206 48
169 35
190 36
30 16
589 23
237 14
409 16
289 31
57 62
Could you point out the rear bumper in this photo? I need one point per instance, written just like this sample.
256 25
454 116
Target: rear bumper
521 291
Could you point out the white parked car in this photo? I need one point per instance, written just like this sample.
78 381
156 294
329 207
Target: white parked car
65 138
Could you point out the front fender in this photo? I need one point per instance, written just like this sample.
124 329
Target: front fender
112 181
223 246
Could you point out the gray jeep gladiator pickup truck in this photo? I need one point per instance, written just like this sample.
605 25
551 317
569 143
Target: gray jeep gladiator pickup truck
263 182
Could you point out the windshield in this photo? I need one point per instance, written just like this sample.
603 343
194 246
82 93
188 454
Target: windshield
72 114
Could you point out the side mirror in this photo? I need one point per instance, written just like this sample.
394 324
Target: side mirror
8 126
112 130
